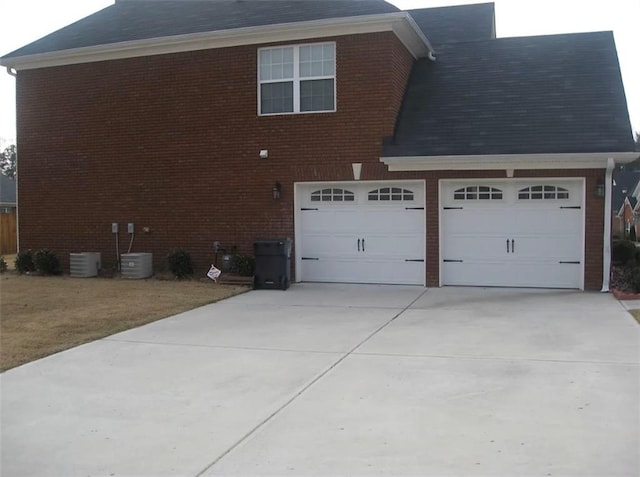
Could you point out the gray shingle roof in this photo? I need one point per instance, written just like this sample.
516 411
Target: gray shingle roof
624 181
545 94
144 19
457 23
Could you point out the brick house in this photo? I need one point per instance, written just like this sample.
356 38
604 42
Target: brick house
392 147
626 207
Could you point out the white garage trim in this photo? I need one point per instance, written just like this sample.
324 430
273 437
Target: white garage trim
508 162
386 218
533 257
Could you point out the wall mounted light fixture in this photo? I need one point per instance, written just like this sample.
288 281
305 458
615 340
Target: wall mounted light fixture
277 191
264 153
600 189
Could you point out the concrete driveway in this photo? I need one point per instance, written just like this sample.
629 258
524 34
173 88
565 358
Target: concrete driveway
341 380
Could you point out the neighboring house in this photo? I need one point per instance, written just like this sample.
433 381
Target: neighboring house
8 230
625 199
393 147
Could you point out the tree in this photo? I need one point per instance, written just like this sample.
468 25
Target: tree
8 161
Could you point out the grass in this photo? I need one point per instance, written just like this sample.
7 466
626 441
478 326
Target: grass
635 314
40 316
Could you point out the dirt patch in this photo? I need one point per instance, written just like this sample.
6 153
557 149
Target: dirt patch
40 316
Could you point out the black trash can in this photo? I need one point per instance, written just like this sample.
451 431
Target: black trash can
273 264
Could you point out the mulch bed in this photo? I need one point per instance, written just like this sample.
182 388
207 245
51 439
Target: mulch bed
620 285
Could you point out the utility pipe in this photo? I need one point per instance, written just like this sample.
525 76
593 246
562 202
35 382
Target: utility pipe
606 249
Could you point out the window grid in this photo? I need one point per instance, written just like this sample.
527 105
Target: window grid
390 193
543 192
478 193
297 79
332 195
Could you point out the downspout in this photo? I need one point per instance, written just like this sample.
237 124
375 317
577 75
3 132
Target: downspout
12 72
606 249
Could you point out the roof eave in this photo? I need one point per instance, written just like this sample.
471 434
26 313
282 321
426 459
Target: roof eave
400 23
507 161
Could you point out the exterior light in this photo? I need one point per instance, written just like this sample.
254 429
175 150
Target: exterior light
277 191
600 189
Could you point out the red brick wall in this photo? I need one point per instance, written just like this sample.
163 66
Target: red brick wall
171 143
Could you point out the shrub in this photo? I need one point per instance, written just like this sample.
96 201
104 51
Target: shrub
180 263
623 252
3 265
24 262
244 265
634 280
47 262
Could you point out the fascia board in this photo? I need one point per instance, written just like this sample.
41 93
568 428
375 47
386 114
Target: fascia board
400 23
506 161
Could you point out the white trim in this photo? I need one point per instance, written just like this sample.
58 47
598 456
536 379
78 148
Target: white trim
606 246
400 23
480 181
507 161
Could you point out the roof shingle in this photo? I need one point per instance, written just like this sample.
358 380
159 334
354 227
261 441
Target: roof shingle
545 94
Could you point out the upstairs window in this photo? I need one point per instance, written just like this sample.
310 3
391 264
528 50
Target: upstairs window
297 79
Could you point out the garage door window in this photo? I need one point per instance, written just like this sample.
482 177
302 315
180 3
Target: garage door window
543 192
332 195
477 193
390 193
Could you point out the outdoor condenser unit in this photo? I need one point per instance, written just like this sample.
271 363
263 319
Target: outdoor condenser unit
85 264
136 265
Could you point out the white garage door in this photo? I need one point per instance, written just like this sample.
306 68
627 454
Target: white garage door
361 233
512 233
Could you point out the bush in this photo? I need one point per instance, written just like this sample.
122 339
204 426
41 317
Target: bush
24 262
634 280
3 265
623 252
180 263
47 262
244 265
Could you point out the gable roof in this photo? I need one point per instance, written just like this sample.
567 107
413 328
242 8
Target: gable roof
456 23
625 180
7 190
526 95
133 20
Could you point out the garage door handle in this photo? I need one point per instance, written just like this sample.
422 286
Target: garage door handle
363 245
513 246
358 245
507 245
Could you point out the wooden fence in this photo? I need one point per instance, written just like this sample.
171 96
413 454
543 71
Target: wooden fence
8 233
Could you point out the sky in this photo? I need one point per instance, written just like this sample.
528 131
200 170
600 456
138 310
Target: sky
25 21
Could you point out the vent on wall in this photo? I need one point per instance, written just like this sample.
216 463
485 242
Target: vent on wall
85 264
136 265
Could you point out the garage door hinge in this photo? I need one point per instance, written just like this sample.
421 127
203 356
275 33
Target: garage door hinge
414 208
310 258
307 208
570 263
570 207
456 261
414 260
453 208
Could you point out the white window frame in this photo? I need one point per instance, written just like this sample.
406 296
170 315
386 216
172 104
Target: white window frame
297 79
